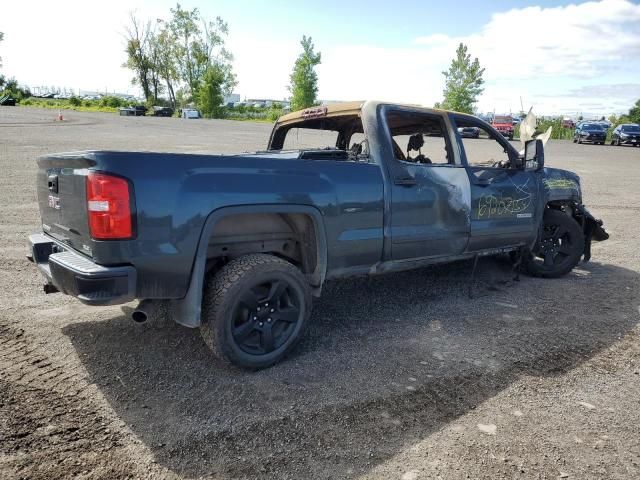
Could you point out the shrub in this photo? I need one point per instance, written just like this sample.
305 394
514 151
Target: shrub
113 102
75 102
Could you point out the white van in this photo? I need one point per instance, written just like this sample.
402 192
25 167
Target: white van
190 113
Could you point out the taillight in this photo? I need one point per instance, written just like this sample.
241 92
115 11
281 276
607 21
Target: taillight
109 207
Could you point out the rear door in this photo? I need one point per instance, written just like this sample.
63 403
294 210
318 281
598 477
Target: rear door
429 188
503 198
62 199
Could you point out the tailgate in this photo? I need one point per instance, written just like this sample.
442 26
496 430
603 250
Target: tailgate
62 198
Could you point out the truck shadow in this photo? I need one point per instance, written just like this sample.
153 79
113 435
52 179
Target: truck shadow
386 361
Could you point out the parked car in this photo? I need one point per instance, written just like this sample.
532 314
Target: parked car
162 111
469 132
504 125
591 133
568 123
133 111
190 113
237 245
626 134
7 100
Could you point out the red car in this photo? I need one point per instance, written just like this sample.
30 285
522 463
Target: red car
504 125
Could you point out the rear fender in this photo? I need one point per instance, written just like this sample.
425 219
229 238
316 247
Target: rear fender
187 310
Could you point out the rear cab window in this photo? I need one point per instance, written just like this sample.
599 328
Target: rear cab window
339 137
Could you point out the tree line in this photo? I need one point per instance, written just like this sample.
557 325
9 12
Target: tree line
184 58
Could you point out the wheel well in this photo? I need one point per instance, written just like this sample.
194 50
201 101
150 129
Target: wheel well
291 236
570 209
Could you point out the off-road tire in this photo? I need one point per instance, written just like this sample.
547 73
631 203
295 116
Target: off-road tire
221 298
572 246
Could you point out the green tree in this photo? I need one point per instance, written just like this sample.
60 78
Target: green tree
199 45
634 112
163 48
463 82
138 60
210 94
304 79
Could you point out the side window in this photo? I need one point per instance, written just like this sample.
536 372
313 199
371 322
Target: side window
419 138
480 147
309 138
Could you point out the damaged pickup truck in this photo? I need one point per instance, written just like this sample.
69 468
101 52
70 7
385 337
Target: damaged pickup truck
238 245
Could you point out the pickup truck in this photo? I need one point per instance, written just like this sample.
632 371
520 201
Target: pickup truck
238 245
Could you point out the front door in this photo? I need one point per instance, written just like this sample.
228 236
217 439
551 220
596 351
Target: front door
430 190
503 197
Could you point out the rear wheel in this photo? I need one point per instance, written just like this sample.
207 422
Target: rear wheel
559 249
255 310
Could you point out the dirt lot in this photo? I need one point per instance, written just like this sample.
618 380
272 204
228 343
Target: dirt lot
401 376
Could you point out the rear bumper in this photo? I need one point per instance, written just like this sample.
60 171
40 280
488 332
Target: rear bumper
76 275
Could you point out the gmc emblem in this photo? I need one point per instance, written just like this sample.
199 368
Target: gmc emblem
54 202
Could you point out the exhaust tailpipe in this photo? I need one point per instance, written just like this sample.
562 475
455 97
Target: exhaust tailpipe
143 311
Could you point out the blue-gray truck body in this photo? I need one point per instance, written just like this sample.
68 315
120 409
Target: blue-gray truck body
334 216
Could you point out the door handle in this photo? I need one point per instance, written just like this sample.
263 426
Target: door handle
482 182
406 181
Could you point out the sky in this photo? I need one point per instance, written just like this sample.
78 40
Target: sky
567 58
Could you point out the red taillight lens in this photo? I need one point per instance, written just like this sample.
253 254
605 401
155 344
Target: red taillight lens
109 207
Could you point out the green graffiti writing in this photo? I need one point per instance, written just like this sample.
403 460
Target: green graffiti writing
560 183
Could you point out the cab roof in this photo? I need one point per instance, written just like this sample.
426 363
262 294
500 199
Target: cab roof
345 108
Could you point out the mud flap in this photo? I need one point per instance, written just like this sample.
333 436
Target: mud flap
593 230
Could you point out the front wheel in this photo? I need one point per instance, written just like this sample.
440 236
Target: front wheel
559 249
255 310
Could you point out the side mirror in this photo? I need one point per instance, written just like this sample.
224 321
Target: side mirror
533 155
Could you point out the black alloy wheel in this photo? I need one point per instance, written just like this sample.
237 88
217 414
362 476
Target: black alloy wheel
559 248
265 316
255 310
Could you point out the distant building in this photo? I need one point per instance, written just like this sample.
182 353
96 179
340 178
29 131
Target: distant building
266 102
231 98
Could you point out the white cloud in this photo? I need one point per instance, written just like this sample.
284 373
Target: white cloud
527 52
574 40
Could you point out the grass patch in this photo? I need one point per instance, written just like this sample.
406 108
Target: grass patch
70 104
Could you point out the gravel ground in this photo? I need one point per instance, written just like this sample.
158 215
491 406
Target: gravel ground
400 376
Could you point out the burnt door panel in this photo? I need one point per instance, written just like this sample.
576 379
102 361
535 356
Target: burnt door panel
430 212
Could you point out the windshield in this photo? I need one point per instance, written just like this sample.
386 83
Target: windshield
503 120
593 127
631 129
